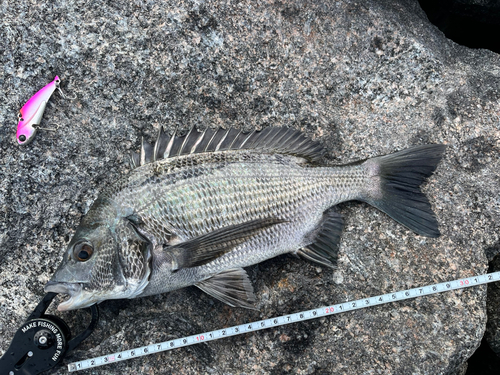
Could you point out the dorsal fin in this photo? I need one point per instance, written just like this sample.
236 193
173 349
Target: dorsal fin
271 140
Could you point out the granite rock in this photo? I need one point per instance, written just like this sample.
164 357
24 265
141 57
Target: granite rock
364 78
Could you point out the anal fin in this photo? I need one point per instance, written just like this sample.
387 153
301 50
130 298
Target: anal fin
232 287
325 246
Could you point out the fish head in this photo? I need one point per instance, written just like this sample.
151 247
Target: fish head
102 262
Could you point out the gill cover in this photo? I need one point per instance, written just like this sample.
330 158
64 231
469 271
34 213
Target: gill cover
102 262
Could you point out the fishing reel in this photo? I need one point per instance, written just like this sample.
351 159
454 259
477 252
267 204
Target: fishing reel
42 341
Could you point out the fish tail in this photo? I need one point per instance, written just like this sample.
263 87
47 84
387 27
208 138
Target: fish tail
394 186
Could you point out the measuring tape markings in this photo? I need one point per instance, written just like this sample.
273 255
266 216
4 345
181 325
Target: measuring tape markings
285 319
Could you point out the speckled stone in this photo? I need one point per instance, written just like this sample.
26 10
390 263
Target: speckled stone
364 77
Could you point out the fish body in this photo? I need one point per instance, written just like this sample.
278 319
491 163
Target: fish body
30 115
198 209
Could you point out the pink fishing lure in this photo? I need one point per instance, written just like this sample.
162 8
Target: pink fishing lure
31 114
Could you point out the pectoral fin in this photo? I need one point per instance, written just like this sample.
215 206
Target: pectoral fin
232 287
203 249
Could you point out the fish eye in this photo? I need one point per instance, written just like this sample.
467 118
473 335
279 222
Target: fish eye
83 252
22 138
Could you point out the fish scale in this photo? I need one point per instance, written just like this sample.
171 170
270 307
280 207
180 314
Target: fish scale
274 191
268 189
264 193
198 208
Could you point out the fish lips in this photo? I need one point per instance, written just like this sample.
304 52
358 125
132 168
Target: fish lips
74 290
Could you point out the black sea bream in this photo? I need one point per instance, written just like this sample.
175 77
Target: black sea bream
197 209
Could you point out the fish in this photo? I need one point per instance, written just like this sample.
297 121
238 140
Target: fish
197 209
30 115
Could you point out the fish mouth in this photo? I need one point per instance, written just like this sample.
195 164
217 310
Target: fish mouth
76 299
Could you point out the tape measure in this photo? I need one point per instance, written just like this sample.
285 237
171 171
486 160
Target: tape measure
285 319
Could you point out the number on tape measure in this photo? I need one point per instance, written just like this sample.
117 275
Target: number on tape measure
287 319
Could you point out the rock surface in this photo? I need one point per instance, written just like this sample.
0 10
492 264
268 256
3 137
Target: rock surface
365 78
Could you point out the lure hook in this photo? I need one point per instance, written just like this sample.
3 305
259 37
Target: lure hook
64 95
49 129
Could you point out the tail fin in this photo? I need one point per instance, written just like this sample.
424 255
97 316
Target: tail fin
395 189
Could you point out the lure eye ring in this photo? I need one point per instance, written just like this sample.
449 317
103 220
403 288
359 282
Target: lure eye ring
83 252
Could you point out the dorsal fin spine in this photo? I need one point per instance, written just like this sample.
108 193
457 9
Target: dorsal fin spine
210 142
270 140
185 141
143 152
234 140
157 144
252 142
264 138
198 141
247 138
222 140
166 154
